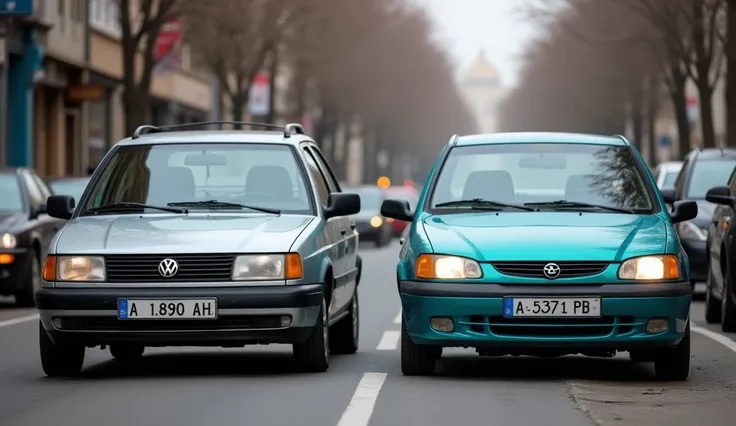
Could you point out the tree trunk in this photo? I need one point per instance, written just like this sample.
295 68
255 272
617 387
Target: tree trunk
136 107
731 74
705 93
273 67
237 109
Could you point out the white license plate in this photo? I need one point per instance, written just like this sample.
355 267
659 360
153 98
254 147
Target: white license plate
551 307
167 309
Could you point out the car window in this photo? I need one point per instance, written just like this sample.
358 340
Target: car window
261 175
73 187
34 193
519 173
680 181
11 197
319 180
370 198
327 171
707 173
669 179
45 191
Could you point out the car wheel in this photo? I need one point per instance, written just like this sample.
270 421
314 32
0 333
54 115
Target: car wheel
314 354
25 297
344 335
728 308
126 352
712 306
59 360
417 360
673 364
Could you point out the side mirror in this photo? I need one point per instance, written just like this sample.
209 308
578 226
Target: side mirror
342 204
60 206
683 211
669 195
397 209
721 195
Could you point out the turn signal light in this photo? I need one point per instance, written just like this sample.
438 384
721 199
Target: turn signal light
294 268
49 268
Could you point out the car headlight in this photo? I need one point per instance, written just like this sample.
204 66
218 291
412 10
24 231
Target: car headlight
660 267
434 266
376 221
74 268
8 241
691 231
254 267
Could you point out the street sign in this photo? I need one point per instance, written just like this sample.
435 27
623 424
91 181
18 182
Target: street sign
692 108
259 102
665 141
16 8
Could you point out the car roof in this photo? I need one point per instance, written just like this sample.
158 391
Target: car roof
539 137
714 153
215 136
670 166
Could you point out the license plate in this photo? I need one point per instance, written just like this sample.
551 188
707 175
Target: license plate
552 307
167 309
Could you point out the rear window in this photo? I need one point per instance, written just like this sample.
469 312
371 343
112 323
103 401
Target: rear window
708 173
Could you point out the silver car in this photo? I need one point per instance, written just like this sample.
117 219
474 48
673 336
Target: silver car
203 238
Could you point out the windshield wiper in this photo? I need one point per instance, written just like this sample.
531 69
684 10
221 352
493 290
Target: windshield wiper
573 204
481 204
223 204
124 205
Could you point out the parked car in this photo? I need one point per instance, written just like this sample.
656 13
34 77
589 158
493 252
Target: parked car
369 223
73 186
25 232
203 238
543 244
666 173
702 169
407 193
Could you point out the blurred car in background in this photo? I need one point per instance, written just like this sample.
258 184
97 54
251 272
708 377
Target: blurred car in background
702 170
25 232
407 193
73 186
666 173
369 223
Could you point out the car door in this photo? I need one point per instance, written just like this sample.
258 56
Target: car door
43 223
720 238
349 249
331 232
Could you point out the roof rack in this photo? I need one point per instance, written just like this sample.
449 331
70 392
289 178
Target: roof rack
145 129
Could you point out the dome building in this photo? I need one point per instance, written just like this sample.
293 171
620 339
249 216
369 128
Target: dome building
481 86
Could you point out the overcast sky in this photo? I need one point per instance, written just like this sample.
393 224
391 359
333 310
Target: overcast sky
497 26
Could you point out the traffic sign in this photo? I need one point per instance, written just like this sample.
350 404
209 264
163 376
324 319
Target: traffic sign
16 7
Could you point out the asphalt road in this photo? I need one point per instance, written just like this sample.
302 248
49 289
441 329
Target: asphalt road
258 386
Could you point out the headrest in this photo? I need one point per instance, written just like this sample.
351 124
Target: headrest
171 184
272 180
495 185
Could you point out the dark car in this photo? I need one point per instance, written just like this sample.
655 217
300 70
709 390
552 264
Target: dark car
702 170
369 223
25 232
73 186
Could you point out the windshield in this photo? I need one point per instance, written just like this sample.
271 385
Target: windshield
253 174
370 198
73 187
669 180
532 173
709 173
10 195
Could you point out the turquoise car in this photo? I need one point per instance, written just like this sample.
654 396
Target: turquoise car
543 244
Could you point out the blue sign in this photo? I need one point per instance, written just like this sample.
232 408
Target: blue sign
665 141
16 7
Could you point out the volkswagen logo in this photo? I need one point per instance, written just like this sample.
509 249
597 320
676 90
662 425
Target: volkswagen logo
170 267
551 270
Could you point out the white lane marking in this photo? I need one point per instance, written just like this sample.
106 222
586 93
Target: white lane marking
361 406
19 320
718 337
389 341
397 319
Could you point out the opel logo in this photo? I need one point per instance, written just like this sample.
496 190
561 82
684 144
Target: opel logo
551 270
170 267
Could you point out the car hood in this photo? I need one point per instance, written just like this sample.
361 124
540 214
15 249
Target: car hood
8 220
193 233
543 236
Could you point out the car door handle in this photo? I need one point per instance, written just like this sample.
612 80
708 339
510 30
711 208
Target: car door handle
352 226
343 231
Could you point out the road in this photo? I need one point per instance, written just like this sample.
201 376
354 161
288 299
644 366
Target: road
258 386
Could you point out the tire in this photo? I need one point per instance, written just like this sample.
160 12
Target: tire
728 308
712 306
26 296
344 335
126 352
314 355
673 364
417 360
59 360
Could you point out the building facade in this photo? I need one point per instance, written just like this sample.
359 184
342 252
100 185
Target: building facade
483 91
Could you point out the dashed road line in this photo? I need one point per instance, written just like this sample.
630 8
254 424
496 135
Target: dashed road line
389 341
18 320
360 408
718 337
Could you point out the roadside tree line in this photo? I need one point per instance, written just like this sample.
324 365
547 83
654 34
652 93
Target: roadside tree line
350 64
600 63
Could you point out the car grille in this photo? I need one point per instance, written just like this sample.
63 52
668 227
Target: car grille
536 269
551 327
138 268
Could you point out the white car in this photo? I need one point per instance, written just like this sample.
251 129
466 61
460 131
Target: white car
666 173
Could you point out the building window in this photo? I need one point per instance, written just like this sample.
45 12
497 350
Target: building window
104 16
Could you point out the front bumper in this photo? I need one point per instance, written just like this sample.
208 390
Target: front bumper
698 258
14 275
246 315
477 313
